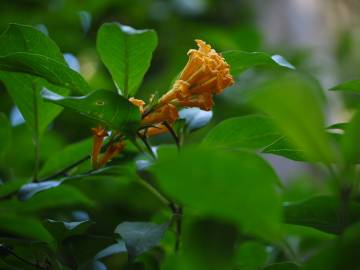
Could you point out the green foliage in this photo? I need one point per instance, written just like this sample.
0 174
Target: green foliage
240 61
349 86
252 132
140 237
123 199
5 134
176 174
284 100
127 53
322 212
105 107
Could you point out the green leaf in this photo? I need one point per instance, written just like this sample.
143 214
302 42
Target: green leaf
10 187
350 140
24 90
126 52
117 248
42 66
30 189
5 134
321 212
294 102
25 227
251 255
26 49
103 106
226 185
340 126
349 86
52 198
253 131
23 38
282 147
140 237
66 157
27 191
62 229
240 61
282 266
343 253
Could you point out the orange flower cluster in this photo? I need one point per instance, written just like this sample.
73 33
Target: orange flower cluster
206 73
99 133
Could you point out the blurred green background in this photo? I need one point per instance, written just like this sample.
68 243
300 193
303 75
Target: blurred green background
319 37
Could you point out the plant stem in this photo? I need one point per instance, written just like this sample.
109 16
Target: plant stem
144 140
72 165
173 134
154 191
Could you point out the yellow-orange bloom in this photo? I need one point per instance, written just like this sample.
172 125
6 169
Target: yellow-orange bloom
156 130
205 72
203 101
113 150
139 103
166 113
99 133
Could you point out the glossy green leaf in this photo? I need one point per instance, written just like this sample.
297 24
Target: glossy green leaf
126 52
140 237
11 187
294 102
350 141
321 212
63 229
24 226
105 107
66 157
26 49
282 266
42 66
343 253
240 61
24 90
201 178
253 131
349 86
282 147
117 248
251 255
5 134
52 198
30 189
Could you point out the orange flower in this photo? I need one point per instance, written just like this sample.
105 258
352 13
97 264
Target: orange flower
99 134
139 103
166 113
203 101
205 72
113 150
156 130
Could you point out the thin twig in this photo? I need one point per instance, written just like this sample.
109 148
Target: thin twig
146 143
173 134
71 166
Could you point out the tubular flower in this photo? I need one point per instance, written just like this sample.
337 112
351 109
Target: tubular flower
204 101
205 72
166 113
139 103
156 130
113 150
99 134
